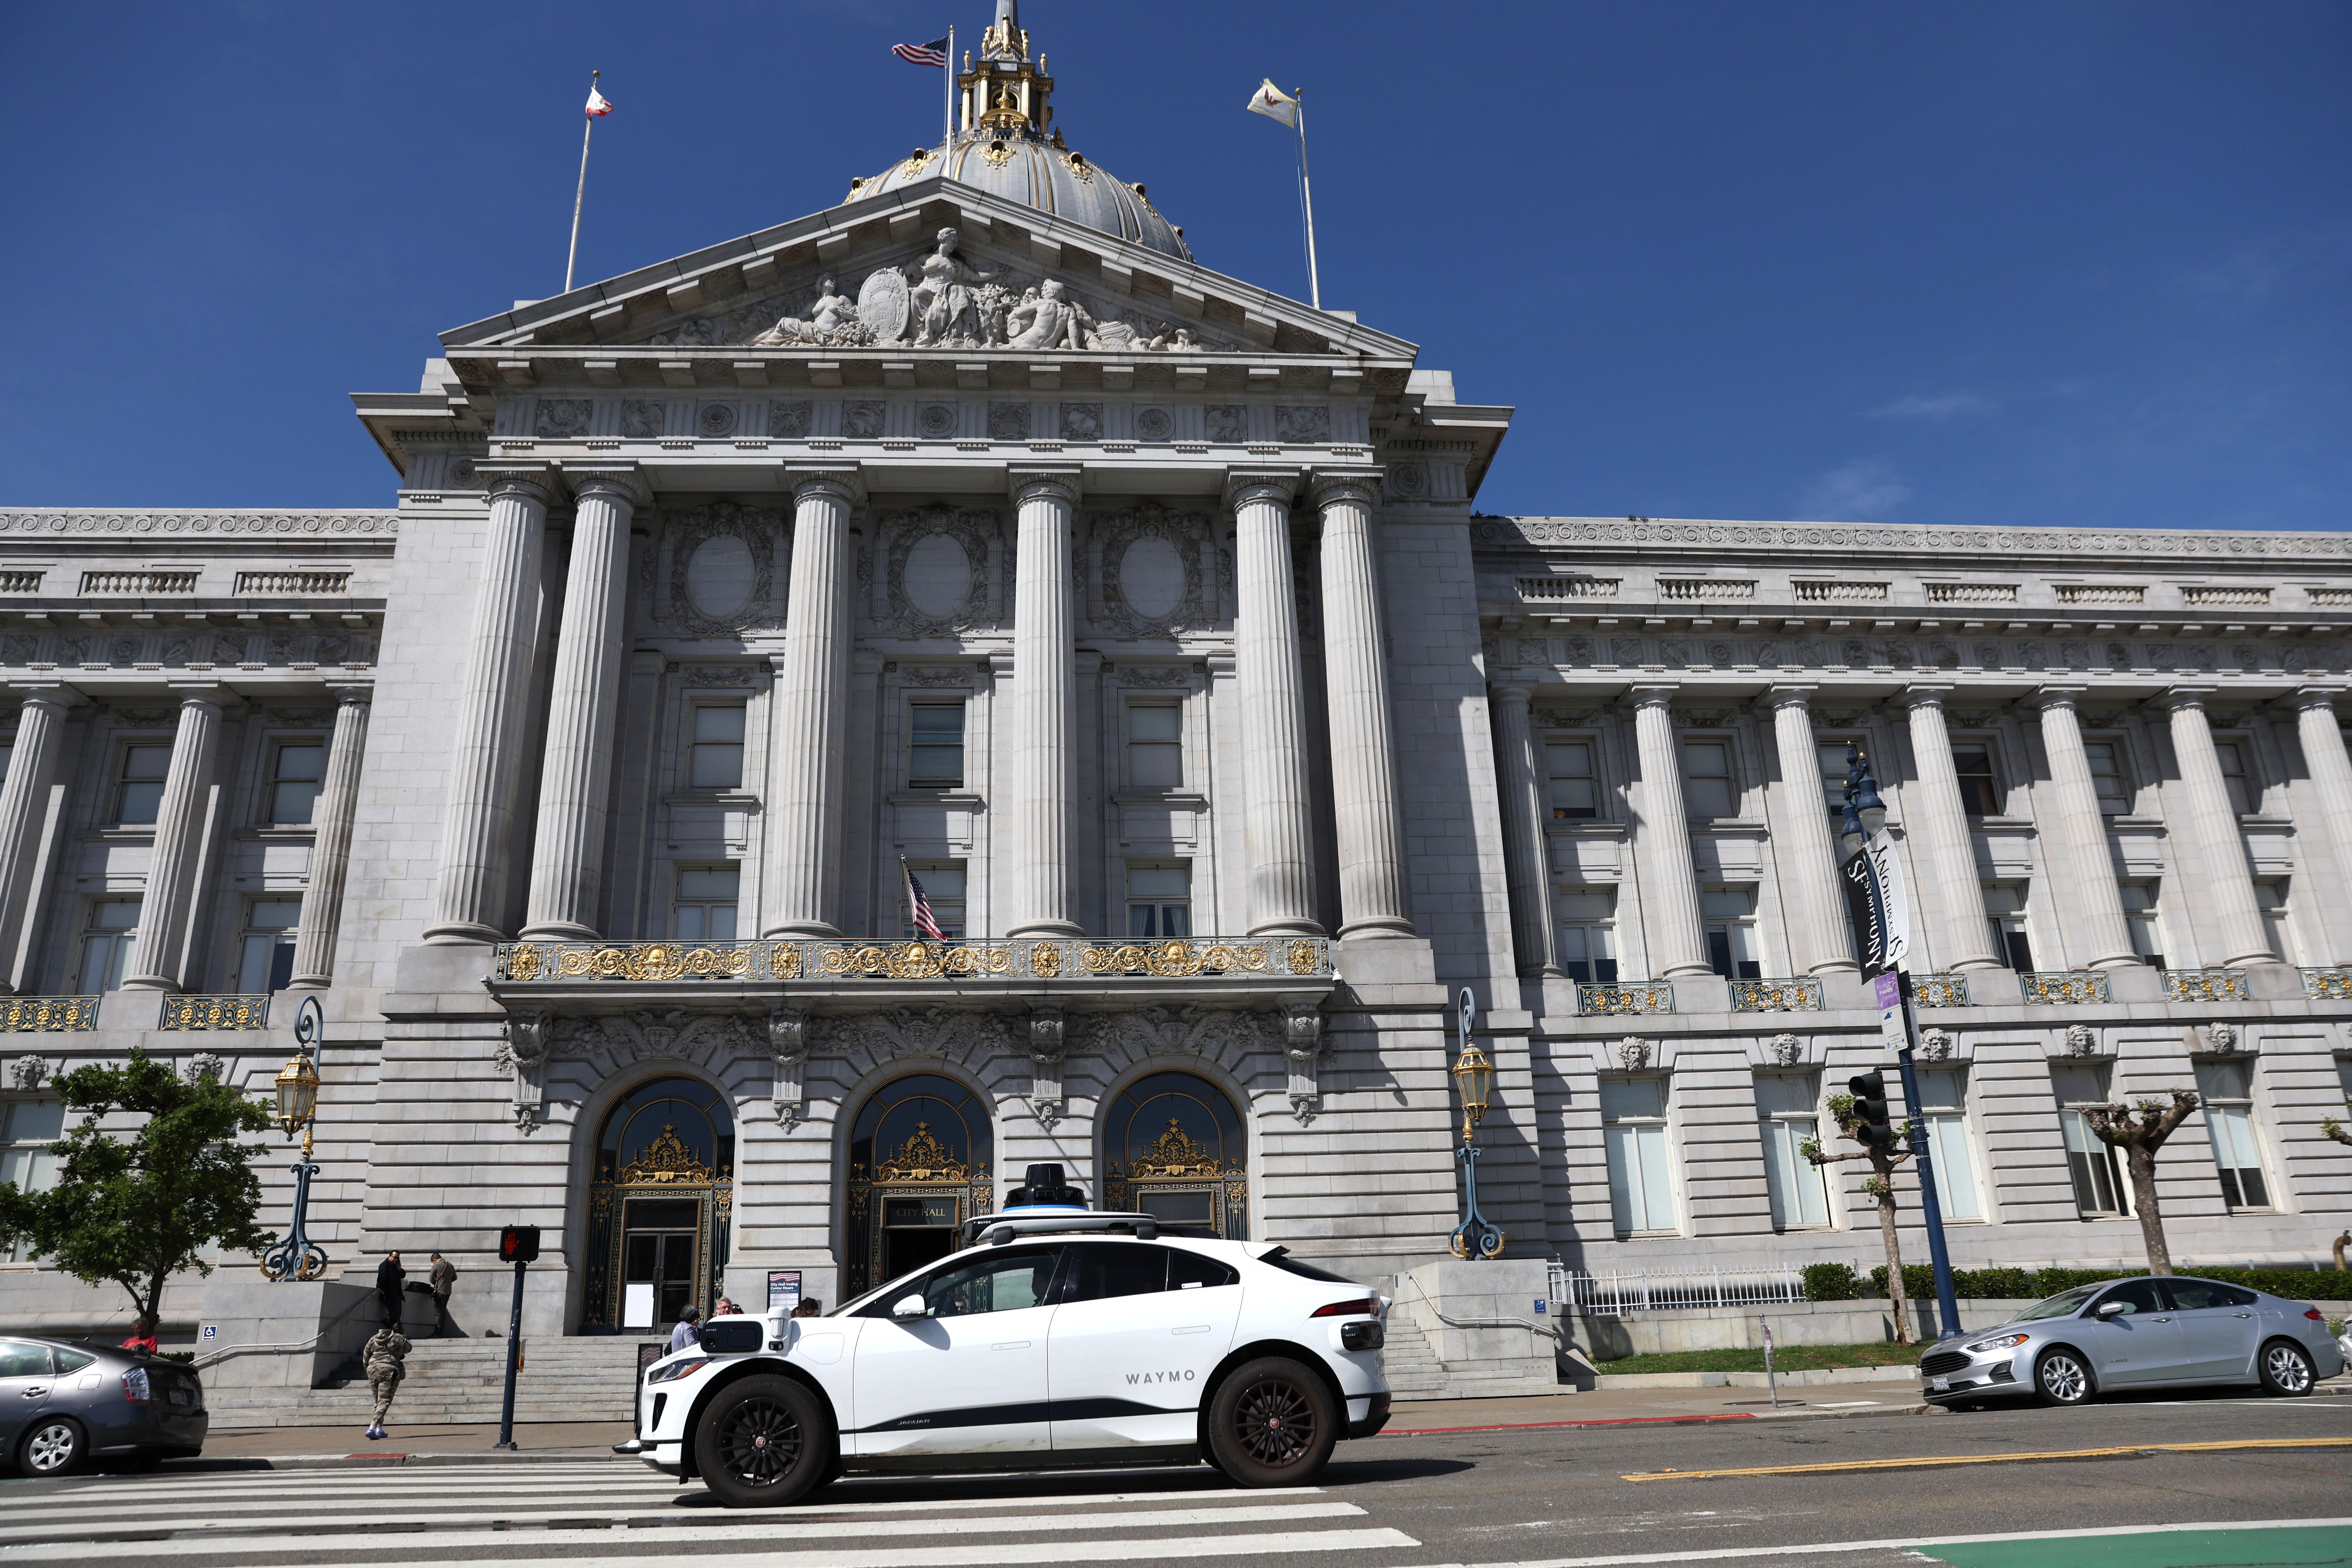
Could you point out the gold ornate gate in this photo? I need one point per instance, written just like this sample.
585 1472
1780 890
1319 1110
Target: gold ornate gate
1174 1146
661 1207
920 1167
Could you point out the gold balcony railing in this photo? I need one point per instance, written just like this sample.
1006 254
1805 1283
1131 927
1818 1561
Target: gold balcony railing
991 958
2328 984
2205 986
214 1013
1776 995
1939 990
1608 996
2065 986
38 1014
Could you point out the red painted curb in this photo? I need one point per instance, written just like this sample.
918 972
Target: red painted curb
1539 1425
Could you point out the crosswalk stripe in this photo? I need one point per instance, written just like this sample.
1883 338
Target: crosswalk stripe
472 1492
70 1539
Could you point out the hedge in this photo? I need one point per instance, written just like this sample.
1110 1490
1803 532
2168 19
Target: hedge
1839 1282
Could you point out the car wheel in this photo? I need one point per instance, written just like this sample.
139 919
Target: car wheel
53 1447
764 1442
2286 1369
1272 1422
2061 1378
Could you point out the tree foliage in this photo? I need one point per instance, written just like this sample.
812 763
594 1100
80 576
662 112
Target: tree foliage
2331 1128
134 1210
2139 1130
1880 1186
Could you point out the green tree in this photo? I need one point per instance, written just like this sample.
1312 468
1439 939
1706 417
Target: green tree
133 1211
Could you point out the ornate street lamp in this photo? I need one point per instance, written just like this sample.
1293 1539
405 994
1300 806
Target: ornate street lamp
298 1256
1865 814
1473 1079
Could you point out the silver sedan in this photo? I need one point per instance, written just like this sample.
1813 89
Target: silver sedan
2170 1332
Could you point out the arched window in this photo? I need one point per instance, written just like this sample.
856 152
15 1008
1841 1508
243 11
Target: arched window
920 1155
660 1206
1174 1146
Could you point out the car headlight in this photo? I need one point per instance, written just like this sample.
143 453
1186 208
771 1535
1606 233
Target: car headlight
1998 1343
677 1369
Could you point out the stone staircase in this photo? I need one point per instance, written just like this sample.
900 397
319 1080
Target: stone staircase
1415 1373
462 1381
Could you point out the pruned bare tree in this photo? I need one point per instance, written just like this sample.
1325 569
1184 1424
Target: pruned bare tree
1881 1185
2331 1128
2139 1130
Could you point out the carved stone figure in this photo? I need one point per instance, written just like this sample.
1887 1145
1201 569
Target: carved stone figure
1787 1050
1633 1053
2223 1039
788 1045
2080 1040
1048 320
204 1065
832 320
940 293
1935 1045
1045 1052
24 1074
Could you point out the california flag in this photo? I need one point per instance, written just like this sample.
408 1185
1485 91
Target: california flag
1275 104
598 105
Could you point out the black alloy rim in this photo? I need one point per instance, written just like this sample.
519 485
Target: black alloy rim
1275 1421
761 1442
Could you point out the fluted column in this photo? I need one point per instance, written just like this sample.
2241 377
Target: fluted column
1370 829
179 840
1809 870
1936 818
1042 777
330 851
575 780
2324 759
1273 713
2225 892
23 805
1526 872
806 753
478 826
2081 840
1670 888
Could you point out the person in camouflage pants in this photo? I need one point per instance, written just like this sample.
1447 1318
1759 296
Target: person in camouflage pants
386 1351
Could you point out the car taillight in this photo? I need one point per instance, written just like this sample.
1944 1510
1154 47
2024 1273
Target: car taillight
134 1386
1362 1307
2315 1314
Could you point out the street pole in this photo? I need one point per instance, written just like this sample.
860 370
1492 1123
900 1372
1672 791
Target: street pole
514 1362
1931 1207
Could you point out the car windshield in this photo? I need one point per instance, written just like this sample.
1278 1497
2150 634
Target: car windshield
2064 1304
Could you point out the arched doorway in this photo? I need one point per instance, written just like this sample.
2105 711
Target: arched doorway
1174 1145
919 1154
660 1206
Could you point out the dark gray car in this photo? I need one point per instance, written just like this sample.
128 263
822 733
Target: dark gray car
62 1401
2170 1332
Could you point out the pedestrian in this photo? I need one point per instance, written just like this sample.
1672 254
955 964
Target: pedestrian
726 1309
810 1306
386 1351
444 1279
388 1277
684 1336
142 1337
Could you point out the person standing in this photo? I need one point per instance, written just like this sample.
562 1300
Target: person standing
388 1277
142 1337
684 1336
444 1279
384 1357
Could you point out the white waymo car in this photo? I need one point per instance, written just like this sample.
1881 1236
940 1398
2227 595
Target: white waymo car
1059 1340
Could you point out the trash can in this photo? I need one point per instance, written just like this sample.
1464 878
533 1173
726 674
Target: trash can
420 1315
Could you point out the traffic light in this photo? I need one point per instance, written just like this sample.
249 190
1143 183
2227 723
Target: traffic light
519 1243
1872 1126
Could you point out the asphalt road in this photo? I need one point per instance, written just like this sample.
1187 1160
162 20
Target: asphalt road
1551 1495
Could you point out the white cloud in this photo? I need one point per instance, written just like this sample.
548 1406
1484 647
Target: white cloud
1860 492
1937 405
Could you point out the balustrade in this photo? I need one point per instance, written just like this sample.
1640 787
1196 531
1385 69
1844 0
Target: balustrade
2051 987
993 958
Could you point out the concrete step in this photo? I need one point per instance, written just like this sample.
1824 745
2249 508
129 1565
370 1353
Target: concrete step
452 1380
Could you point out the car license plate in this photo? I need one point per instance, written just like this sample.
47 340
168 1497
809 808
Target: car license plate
1937 1384
182 1397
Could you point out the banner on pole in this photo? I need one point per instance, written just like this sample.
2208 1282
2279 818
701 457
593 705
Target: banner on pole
1879 904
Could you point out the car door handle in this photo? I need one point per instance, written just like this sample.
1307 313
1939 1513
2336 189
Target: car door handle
1195 1329
37 1391
2159 1319
2241 1314
1011 1345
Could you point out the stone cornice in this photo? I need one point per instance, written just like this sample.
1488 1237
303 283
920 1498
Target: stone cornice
2172 549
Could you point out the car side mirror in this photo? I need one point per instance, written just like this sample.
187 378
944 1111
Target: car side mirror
2109 1308
910 1307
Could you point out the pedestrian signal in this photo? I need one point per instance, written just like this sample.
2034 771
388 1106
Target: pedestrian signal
1872 1126
518 1244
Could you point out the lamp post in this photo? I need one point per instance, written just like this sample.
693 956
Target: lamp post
298 1256
1473 1079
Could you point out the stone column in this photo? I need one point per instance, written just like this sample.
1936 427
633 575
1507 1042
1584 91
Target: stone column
1677 941
1041 772
2315 726
478 825
1938 821
2081 846
330 851
179 841
23 806
811 703
1809 887
1371 833
2225 891
1525 870
1274 714
575 777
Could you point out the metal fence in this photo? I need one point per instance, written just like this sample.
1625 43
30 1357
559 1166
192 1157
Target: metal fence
1660 1290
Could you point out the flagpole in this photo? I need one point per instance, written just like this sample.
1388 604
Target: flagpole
1306 183
579 195
947 137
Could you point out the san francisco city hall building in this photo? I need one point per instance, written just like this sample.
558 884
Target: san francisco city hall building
973 527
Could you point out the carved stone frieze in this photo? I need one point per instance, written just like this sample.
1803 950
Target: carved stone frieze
788 1045
757 531
1302 1045
791 419
938 1031
926 612
1138 608
1047 1043
563 418
1213 1034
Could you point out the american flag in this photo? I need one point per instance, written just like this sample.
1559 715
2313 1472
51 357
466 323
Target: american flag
934 53
925 920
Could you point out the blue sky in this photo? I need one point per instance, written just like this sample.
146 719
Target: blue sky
2043 264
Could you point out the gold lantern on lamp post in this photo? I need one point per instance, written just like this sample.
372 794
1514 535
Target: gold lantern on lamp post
1474 1080
298 1256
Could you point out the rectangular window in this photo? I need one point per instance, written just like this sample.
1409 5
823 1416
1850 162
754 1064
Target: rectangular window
2100 1191
943 883
1575 787
2270 897
717 759
1587 937
2147 928
1979 787
294 783
267 961
1946 1112
7 753
106 943
27 1127
1155 746
2227 1089
1707 778
1787 1105
2005 909
704 910
140 787
1641 1174
1730 915
2244 794
1832 755
2107 758
936 756
1159 900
